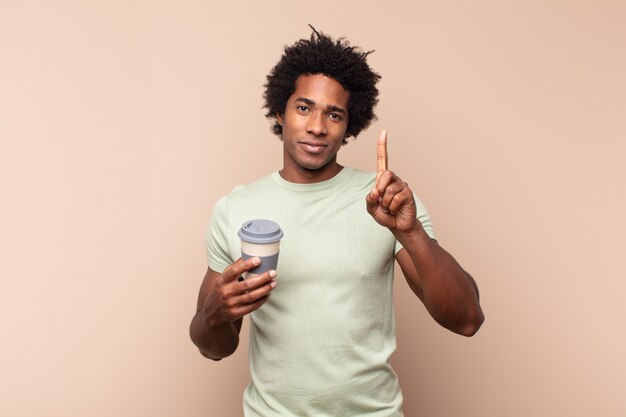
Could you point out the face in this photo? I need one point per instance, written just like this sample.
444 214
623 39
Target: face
314 126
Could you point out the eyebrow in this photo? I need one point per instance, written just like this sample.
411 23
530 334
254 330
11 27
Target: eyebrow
330 107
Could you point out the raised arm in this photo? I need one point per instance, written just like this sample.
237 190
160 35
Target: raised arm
223 300
448 292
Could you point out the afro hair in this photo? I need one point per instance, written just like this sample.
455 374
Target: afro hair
335 59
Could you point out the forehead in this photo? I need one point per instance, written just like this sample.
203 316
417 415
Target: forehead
323 90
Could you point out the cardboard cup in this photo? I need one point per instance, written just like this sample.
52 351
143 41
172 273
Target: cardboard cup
260 238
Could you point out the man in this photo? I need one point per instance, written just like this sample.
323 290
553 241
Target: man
322 327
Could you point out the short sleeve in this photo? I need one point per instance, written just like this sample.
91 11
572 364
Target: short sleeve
424 218
217 238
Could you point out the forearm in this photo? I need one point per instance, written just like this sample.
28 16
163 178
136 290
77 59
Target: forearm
214 340
448 292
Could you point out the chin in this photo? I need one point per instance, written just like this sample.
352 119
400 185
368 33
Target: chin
314 166
311 165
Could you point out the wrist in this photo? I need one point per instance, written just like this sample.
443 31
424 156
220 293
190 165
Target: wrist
414 236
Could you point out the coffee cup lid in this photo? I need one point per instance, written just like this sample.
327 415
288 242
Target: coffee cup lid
260 231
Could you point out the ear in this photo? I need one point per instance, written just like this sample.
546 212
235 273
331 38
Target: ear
279 118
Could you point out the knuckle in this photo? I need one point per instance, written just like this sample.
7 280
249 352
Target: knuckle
225 302
223 295
248 298
230 302
229 271
246 287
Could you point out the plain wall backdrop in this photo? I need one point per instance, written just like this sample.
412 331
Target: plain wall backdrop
122 122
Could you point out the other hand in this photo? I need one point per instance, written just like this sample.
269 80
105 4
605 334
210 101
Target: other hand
229 298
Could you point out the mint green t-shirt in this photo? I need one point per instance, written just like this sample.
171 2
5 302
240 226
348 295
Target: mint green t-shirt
320 346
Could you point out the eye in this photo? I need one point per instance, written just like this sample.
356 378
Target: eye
303 109
335 116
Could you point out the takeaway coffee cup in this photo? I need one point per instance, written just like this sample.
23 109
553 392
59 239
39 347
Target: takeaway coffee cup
260 238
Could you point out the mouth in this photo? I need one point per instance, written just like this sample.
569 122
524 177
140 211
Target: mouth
313 147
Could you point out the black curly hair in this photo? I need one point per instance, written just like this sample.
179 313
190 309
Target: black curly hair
336 59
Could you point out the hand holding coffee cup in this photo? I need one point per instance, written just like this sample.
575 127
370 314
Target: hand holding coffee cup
260 238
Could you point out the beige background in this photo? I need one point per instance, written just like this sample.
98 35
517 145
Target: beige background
122 122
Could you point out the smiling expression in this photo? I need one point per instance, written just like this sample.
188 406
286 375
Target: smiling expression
314 126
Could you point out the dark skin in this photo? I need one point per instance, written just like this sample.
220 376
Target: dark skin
449 293
314 125
222 302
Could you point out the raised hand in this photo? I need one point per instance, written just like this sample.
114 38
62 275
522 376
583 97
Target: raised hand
390 202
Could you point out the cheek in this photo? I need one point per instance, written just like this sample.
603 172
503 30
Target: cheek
289 123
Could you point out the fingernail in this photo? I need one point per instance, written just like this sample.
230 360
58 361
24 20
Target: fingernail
273 284
273 274
256 261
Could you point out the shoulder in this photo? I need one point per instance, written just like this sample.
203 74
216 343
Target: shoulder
259 185
360 179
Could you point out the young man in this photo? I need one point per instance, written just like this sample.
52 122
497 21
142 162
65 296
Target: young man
322 328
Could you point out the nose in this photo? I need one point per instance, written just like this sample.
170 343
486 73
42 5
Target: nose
316 124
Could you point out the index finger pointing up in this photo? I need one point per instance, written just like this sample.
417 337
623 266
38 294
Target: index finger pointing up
381 152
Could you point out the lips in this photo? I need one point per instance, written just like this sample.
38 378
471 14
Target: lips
313 147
